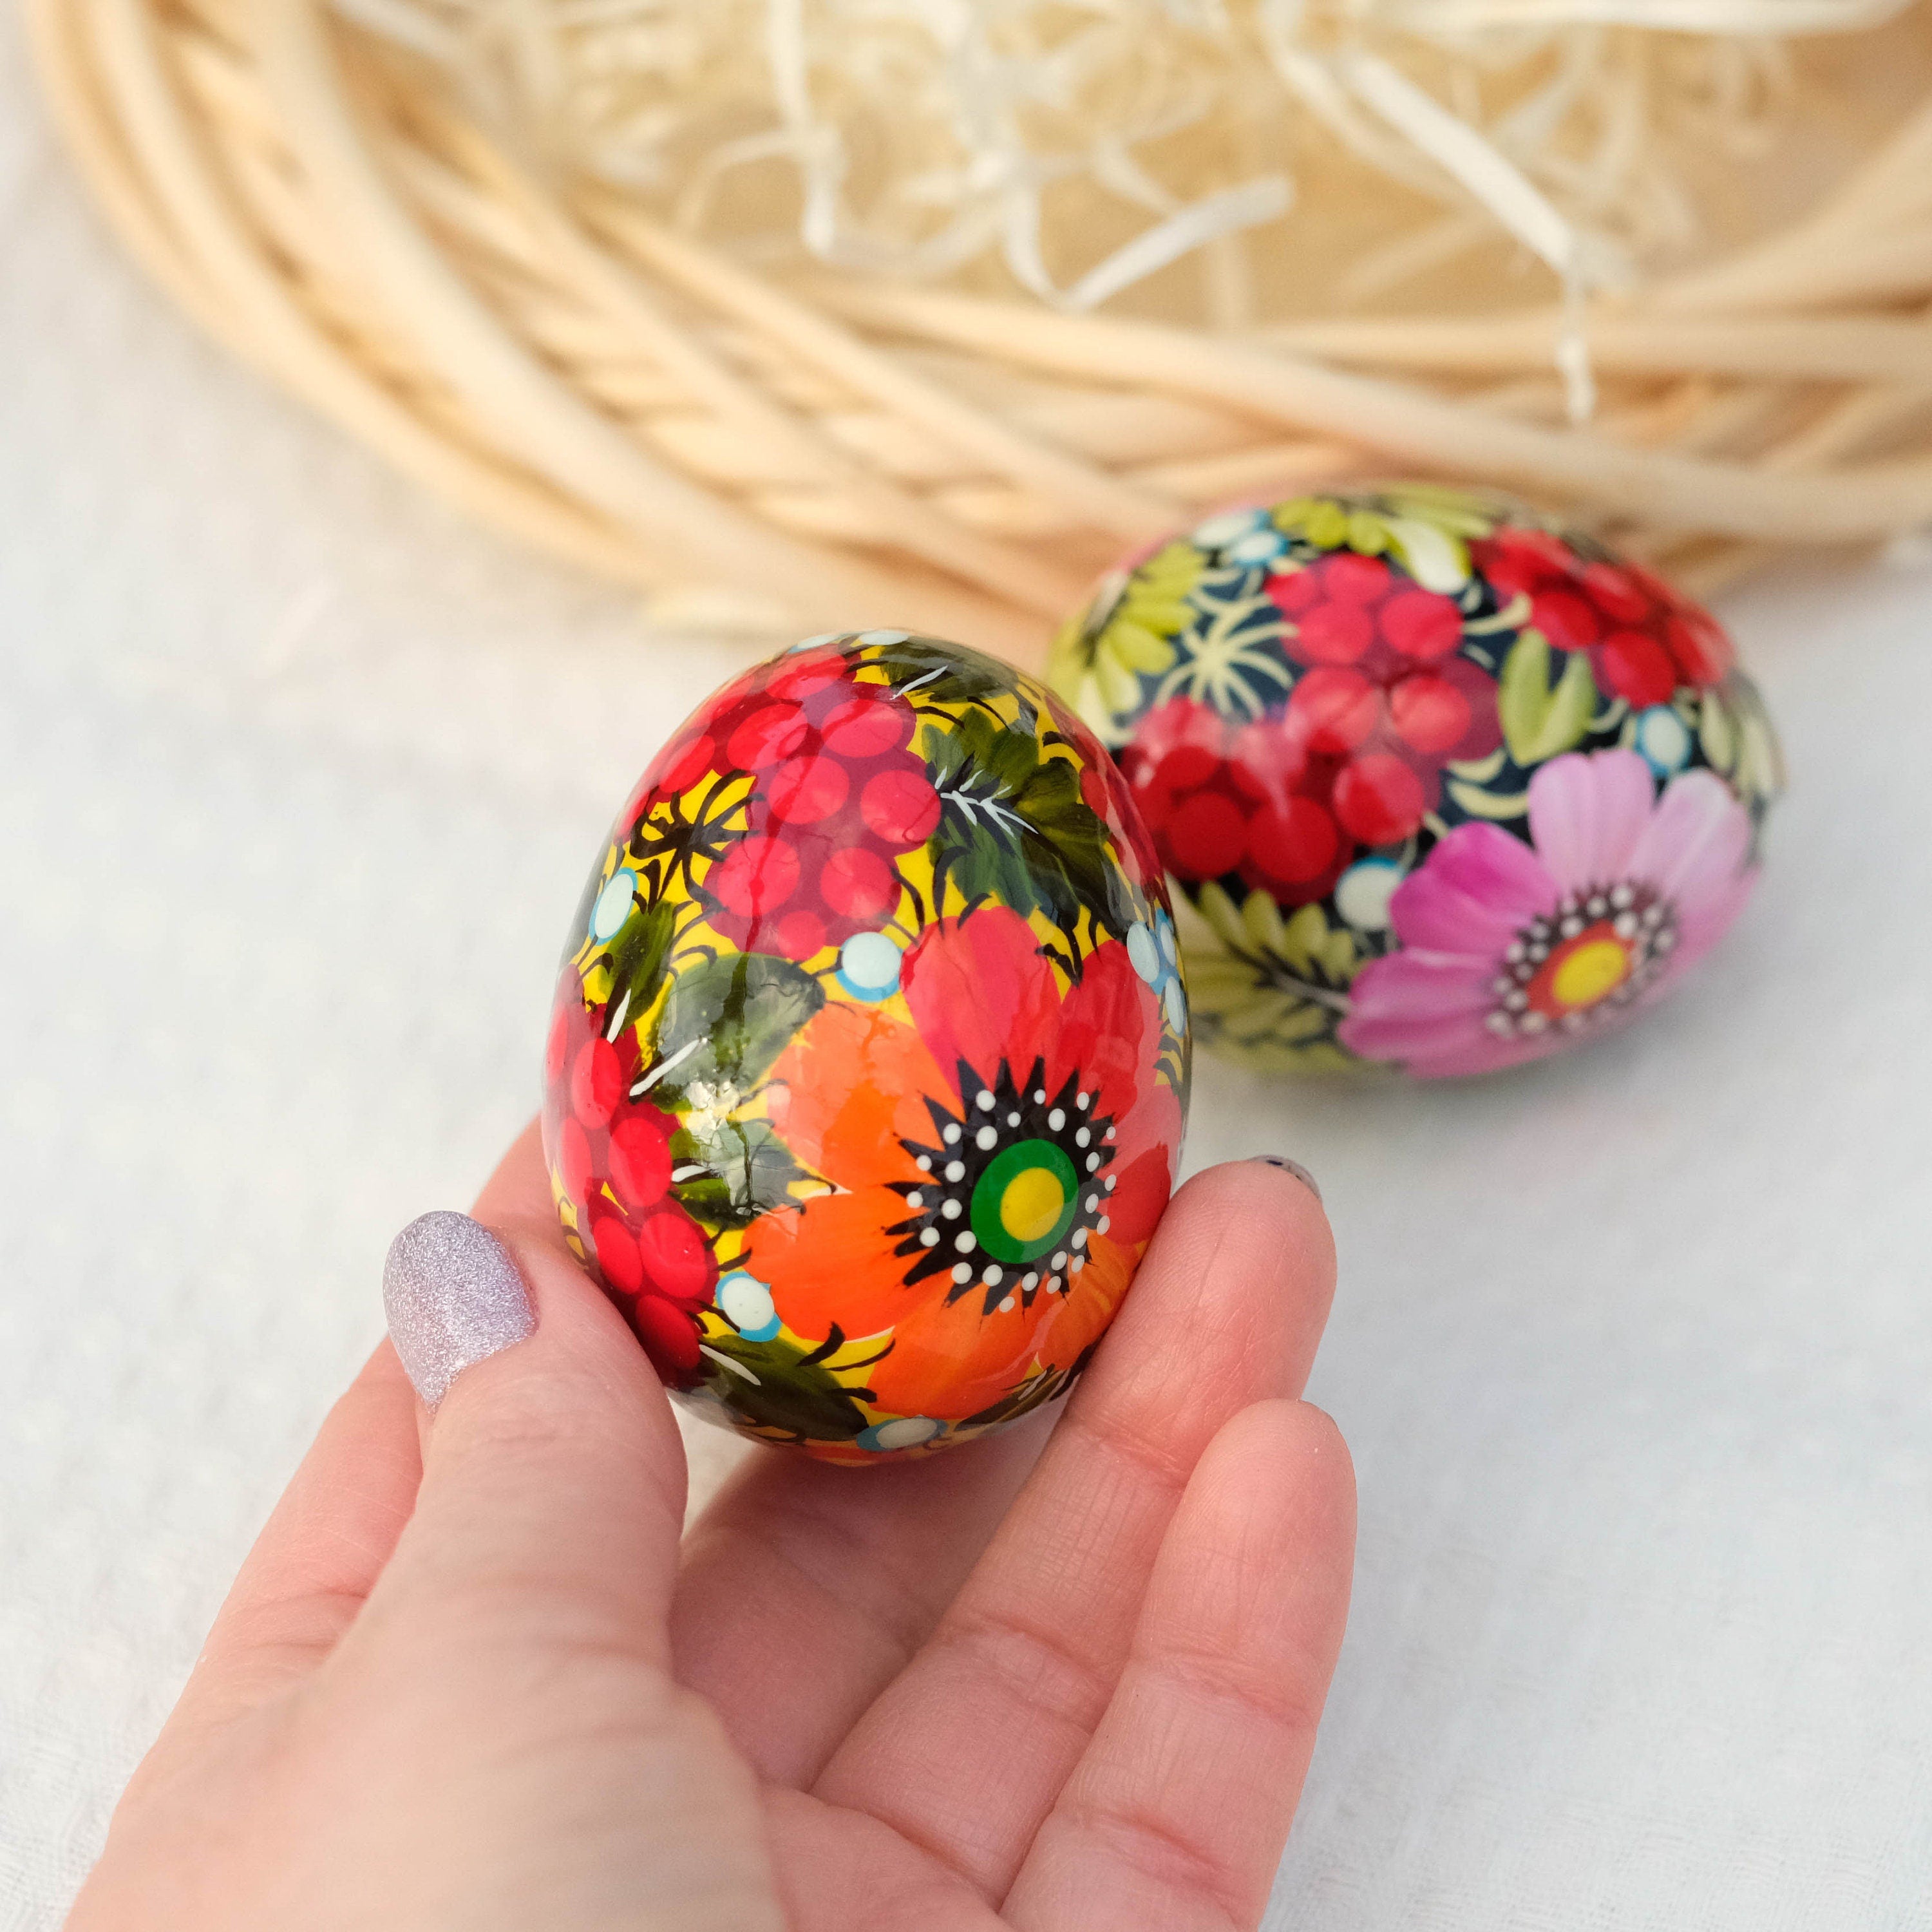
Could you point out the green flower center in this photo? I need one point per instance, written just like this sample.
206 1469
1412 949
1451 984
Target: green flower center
1024 1202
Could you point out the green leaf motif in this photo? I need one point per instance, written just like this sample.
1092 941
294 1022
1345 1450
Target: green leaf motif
946 673
637 956
728 1018
777 1387
1539 720
1014 827
749 1170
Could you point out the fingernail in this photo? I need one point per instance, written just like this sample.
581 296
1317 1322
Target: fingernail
453 1296
1293 1167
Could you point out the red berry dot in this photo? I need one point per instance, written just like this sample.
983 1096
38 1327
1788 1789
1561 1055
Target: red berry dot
557 1046
1568 621
617 1257
1616 593
1291 846
900 807
1295 590
858 884
803 791
1422 624
1701 645
685 765
1334 633
640 1160
1379 799
1334 709
596 1082
573 1160
1637 668
772 732
676 1257
1205 836
669 1335
796 936
758 874
1354 578
867 727
1182 769
810 671
1429 713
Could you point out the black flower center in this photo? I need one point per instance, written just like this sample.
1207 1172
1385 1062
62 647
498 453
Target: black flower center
1012 1191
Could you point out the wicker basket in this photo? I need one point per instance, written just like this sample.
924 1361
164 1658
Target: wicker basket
832 454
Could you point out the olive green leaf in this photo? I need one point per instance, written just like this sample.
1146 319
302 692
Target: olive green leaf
945 673
727 1019
1014 827
780 1388
748 1169
1539 720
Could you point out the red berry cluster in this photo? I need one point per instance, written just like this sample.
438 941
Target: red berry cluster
837 797
614 1157
1644 639
1355 759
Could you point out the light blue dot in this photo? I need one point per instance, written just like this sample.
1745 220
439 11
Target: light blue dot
1228 528
869 966
747 1303
823 638
1164 926
613 905
904 1432
1363 893
1175 1000
1144 949
882 636
1663 739
1259 547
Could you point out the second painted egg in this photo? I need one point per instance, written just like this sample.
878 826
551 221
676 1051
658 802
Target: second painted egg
868 1063
1453 786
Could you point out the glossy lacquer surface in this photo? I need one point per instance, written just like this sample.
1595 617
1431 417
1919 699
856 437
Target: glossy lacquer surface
1454 788
869 1065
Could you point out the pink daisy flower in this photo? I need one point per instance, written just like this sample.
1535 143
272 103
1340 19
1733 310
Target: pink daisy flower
1509 950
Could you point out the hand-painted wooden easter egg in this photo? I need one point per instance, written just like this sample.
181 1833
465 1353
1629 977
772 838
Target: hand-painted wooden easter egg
868 1063
1453 786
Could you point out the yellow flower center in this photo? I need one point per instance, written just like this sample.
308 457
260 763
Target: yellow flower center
1596 967
1032 1204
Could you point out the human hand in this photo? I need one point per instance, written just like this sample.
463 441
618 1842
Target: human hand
467 1679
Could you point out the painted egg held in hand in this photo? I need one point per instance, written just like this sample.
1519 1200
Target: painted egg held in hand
867 1069
1454 788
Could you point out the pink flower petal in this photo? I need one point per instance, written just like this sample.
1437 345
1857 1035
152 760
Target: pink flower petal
1411 987
1700 926
1695 844
1587 813
1473 893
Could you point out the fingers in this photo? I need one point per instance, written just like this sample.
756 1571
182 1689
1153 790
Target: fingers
322 1550
805 1589
965 1751
1176 1815
553 1483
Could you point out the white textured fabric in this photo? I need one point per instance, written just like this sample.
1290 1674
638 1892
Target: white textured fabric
298 780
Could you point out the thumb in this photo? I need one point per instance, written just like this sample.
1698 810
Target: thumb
553 1477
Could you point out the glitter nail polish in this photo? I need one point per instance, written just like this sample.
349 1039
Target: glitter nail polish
1293 1167
453 1296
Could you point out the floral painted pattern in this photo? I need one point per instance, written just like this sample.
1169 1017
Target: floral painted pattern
1319 705
868 1063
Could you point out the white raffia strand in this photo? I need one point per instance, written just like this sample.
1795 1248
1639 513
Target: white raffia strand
836 312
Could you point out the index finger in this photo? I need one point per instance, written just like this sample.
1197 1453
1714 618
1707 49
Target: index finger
966 1751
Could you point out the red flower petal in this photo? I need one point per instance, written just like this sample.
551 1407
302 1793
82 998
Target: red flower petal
1204 835
675 1258
978 988
1570 623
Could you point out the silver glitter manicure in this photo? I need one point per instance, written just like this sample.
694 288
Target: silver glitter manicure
453 1296
1293 1167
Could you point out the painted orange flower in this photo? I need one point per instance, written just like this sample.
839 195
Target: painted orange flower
999 1165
